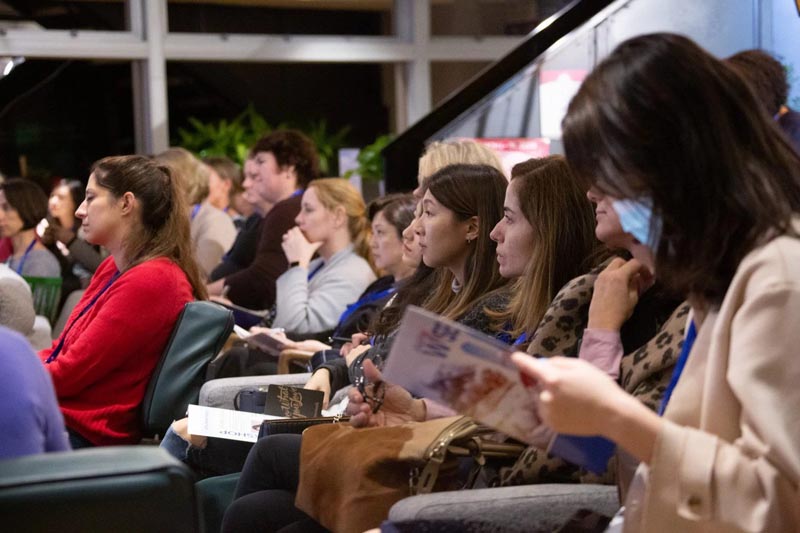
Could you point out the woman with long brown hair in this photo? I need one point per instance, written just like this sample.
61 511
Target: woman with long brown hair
103 360
706 181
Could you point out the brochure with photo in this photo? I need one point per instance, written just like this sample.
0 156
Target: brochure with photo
472 373
438 359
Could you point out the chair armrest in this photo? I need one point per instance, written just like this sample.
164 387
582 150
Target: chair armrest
99 489
523 508
290 356
221 392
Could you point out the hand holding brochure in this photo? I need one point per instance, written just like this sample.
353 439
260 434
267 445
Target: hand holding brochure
441 360
438 359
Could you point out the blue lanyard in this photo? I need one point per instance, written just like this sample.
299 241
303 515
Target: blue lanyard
195 209
314 272
367 298
55 352
688 342
521 339
297 192
25 256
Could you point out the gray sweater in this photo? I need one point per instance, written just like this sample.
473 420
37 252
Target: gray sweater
315 305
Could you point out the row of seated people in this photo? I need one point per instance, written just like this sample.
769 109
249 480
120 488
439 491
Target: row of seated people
43 238
690 177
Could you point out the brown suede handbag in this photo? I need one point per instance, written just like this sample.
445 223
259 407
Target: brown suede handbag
350 478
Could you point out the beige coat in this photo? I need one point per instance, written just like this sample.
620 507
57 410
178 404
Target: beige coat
728 458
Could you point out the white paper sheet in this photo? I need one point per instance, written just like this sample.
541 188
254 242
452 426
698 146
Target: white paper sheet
226 423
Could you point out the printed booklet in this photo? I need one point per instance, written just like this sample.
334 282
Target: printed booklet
472 373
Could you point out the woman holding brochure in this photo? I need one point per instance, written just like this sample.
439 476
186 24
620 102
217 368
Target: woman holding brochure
523 232
713 189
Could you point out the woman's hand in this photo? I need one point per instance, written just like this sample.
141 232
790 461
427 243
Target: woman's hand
297 248
356 340
398 406
275 333
216 288
572 396
310 345
353 354
321 381
576 398
616 293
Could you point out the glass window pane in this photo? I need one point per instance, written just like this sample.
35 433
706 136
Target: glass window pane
296 17
101 15
53 123
490 17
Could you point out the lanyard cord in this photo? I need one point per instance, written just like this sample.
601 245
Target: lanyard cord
688 342
55 352
25 256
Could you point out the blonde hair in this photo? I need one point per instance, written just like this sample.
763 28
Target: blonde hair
440 154
338 192
191 173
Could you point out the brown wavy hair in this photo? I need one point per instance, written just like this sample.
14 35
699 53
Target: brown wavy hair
164 214
662 118
554 203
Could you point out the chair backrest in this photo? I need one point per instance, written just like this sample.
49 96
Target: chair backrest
199 334
121 489
46 295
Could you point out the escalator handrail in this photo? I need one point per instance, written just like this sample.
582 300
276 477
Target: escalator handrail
401 155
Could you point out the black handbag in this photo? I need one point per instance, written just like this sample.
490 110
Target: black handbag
296 425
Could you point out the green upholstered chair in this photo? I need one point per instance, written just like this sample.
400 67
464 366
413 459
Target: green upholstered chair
201 330
122 489
46 295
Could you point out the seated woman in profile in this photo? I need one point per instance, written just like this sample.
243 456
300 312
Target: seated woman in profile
389 216
543 204
715 190
212 230
313 293
103 360
63 236
22 206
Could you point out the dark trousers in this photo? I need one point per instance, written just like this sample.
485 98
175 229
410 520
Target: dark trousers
264 499
78 441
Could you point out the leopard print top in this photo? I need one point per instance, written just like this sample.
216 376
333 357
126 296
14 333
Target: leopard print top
644 373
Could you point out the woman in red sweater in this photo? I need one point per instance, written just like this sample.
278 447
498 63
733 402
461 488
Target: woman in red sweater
102 362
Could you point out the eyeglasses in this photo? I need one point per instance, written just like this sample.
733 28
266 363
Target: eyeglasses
374 400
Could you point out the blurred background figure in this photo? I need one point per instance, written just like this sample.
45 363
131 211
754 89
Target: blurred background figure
224 185
767 77
62 234
212 230
22 206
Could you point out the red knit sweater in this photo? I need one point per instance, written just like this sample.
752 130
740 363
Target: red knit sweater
109 354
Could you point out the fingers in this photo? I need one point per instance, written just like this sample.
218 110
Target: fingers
538 370
371 372
355 397
325 398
